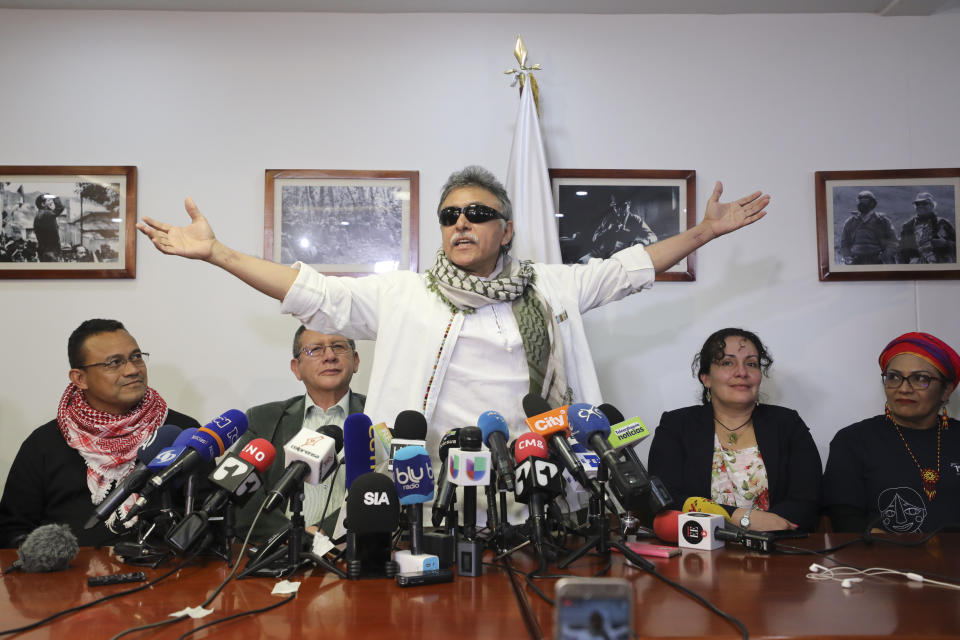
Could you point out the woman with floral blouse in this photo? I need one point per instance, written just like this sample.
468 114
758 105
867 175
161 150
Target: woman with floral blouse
756 460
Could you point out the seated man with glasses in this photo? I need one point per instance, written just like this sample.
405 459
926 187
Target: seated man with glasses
900 471
70 464
325 364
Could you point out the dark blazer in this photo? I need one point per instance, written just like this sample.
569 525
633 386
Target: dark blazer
278 422
682 456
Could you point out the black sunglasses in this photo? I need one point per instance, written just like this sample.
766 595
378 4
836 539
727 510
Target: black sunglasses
476 213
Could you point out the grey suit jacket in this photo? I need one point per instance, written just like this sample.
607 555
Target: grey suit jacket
278 422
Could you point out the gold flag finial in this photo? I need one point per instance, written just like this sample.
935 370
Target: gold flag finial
521 74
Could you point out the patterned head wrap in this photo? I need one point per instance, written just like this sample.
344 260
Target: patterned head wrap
930 348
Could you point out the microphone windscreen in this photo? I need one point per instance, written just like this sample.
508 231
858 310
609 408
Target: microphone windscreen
413 475
334 432
471 438
359 456
491 422
704 505
222 432
613 414
316 450
410 425
450 439
184 437
534 405
530 445
49 547
665 525
160 439
260 453
372 505
585 420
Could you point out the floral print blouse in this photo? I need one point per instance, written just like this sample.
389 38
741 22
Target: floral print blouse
739 477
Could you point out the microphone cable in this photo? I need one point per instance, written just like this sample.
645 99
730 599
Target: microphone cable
34 625
216 591
867 537
251 612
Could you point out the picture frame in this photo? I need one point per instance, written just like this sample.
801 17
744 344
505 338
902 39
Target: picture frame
601 211
909 232
342 222
68 222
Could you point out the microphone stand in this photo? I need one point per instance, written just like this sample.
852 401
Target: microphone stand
278 560
600 523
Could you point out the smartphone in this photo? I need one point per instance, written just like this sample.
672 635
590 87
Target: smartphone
593 608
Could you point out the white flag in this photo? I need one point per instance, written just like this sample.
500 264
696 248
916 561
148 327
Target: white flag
528 185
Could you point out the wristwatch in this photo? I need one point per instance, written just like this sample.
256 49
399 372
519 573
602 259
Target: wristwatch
745 518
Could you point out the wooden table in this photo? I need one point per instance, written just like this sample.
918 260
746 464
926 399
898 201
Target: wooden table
770 594
325 607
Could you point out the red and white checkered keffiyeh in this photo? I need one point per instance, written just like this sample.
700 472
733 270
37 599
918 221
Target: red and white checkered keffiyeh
107 442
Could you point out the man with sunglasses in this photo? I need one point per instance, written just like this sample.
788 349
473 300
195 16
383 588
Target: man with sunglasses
70 464
325 364
479 329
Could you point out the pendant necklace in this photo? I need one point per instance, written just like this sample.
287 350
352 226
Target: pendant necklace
732 433
928 475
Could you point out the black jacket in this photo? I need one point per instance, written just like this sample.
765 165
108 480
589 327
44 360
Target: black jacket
682 456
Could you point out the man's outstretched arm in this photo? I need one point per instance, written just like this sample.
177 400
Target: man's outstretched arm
719 218
198 242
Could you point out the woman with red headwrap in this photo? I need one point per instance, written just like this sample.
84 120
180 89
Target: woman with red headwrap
901 470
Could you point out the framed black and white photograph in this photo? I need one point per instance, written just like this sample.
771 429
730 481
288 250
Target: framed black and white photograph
68 221
600 212
342 222
896 224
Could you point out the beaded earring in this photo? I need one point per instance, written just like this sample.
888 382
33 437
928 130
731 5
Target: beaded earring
944 420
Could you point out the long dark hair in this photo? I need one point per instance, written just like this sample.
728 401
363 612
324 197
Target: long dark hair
712 351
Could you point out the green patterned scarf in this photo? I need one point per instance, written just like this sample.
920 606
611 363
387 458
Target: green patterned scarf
463 292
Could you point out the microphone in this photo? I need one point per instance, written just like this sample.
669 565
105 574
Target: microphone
495 436
413 479
166 456
624 433
138 476
49 547
310 457
666 525
538 482
209 441
553 425
238 476
592 429
409 429
704 505
469 467
447 492
373 513
358 447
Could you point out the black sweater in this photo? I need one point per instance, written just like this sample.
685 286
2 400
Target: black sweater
47 484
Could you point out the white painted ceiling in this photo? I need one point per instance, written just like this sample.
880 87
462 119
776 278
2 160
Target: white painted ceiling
878 7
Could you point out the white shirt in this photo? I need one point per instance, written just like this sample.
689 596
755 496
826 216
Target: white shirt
315 496
418 337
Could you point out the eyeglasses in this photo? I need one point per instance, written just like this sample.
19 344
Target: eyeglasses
139 359
893 380
476 213
337 348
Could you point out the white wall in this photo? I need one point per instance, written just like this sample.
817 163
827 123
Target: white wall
203 103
